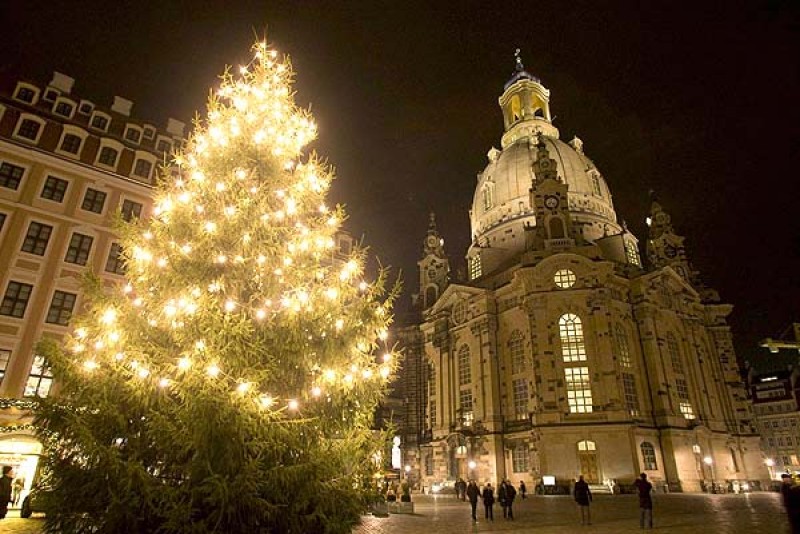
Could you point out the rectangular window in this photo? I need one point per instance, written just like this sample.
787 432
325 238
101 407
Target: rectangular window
520 386
16 299
5 357
142 168
40 379
649 457
100 122
64 109
465 404
10 175
93 200
79 247
164 146
631 395
37 237
474 267
520 458
108 156
579 390
687 411
29 129
54 189
71 143
133 135
25 94
432 412
131 209
115 263
681 389
61 308
429 465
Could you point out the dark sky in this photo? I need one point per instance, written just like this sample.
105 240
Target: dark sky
695 101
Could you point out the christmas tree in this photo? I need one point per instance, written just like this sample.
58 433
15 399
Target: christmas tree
230 385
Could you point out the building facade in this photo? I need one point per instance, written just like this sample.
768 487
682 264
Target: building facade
565 354
67 168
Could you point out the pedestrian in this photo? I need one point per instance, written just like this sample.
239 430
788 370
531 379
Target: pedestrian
501 498
461 489
5 489
583 496
17 487
645 501
522 489
472 494
791 501
488 501
510 494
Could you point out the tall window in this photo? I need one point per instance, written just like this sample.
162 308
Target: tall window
621 345
631 395
432 412
596 185
520 386
464 371
516 349
488 196
516 108
93 200
573 348
10 175
465 403
54 189
115 262
61 308
520 458
37 237
429 465
15 301
579 390
131 209
674 353
474 264
100 122
632 253
40 379
5 357
648 456
78 250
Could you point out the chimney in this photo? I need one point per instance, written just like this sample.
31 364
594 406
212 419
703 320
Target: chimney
175 127
122 106
62 82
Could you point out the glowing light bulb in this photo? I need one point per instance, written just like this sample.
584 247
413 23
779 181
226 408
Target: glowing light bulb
143 373
211 227
230 305
109 316
184 363
213 371
90 365
127 289
80 333
119 356
260 314
222 258
367 373
163 383
387 357
385 371
362 286
339 324
243 388
200 345
316 391
266 401
382 335
330 375
293 405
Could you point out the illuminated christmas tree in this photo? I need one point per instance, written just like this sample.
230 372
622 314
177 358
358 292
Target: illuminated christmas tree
230 386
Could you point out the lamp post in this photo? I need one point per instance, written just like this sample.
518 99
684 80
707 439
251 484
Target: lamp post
710 463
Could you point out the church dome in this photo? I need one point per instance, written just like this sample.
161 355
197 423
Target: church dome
501 206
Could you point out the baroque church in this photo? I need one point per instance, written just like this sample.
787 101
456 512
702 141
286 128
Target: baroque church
565 353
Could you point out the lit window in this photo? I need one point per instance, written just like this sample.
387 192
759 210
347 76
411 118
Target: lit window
564 278
674 353
520 386
474 267
100 122
37 238
131 209
93 200
587 446
71 143
142 168
40 379
5 357
16 299
61 308
631 394
682 389
632 253
64 109
649 456
465 404
520 458
115 262
621 346
516 349
579 391
54 189
29 129
464 371
516 108
573 348
10 175
108 156
687 411
79 247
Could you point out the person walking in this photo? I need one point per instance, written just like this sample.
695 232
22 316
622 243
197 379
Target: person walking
583 496
472 494
488 501
510 494
5 489
645 501
522 489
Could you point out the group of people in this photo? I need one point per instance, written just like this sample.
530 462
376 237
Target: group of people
583 497
506 493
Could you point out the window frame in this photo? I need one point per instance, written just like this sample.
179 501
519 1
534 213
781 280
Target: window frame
80 250
9 178
16 300
128 214
70 130
62 306
649 460
573 340
578 383
27 86
5 359
117 259
62 100
99 114
23 117
94 200
43 379
37 242
130 128
57 192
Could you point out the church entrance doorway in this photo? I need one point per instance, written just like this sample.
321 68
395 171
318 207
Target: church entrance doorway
587 459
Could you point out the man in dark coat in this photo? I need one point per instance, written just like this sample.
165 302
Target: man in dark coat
643 487
5 489
501 497
472 494
488 501
791 500
508 511
583 496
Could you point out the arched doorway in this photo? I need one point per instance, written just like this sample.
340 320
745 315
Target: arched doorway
587 459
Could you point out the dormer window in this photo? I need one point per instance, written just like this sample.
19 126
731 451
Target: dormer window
86 108
164 146
71 143
142 168
149 132
30 128
100 121
133 134
50 95
64 108
26 93
108 156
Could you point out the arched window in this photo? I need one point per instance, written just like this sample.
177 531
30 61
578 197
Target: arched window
516 109
539 113
516 350
621 346
464 371
556 228
430 296
648 456
488 196
570 328
596 186
674 353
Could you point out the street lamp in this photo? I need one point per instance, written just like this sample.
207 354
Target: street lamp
709 462
472 465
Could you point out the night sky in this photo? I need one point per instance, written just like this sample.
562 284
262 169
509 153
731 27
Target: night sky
696 103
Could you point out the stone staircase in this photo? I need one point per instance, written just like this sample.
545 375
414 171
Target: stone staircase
600 489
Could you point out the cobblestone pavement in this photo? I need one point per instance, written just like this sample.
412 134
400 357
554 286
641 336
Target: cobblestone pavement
611 514
676 513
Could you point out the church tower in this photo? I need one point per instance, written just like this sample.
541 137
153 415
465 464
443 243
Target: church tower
664 246
434 268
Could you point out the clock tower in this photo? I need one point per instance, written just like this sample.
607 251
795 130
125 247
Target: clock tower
664 246
434 268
